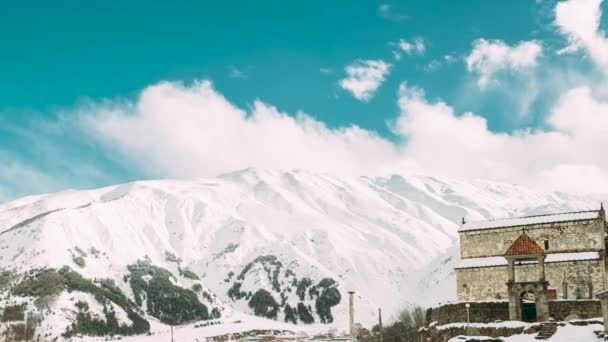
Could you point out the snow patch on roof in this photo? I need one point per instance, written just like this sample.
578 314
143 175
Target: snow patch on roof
502 261
528 220
561 257
482 262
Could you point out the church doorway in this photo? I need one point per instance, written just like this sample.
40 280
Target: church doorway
528 307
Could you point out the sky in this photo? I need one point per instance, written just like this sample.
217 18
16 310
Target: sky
97 93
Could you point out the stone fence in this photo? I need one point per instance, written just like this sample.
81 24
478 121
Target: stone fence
488 312
583 309
480 312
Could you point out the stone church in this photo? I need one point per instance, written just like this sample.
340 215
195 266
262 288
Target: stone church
532 261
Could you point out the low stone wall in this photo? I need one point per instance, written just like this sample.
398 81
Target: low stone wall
583 309
488 312
481 312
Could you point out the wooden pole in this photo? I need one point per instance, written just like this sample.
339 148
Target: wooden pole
172 334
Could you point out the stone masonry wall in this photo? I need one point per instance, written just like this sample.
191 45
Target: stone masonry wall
583 309
570 280
488 312
482 284
480 313
562 236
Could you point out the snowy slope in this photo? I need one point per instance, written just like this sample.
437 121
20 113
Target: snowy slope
391 239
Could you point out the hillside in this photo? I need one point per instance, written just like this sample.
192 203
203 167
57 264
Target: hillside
281 245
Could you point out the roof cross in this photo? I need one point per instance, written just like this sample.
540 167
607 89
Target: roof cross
524 230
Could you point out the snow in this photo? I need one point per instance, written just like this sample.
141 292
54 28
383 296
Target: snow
561 257
393 239
236 323
521 221
482 262
501 261
504 324
567 333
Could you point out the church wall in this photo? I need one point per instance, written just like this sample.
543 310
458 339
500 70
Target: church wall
582 279
562 236
482 284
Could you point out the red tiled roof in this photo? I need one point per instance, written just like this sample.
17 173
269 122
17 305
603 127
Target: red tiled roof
524 245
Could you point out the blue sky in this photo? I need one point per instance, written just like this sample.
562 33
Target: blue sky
101 92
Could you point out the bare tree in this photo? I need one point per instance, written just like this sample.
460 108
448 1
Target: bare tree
412 318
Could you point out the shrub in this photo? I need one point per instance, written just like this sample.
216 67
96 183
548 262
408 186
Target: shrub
172 257
409 321
186 273
32 322
169 303
197 287
13 313
80 251
235 293
412 318
304 314
79 260
263 304
271 265
329 297
86 324
302 285
291 315
215 313
39 282
6 278
94 252
17 332
107 290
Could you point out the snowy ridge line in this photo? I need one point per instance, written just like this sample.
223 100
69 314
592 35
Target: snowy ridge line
526 220
502 261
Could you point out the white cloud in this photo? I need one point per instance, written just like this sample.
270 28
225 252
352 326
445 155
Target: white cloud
432 65
364 77
414 47
386 11
193 131
579 21
567 157
18 178
491 56
180 131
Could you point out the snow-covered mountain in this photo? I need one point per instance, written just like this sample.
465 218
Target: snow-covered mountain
286 245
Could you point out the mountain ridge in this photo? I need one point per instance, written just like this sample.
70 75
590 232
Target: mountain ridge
391 239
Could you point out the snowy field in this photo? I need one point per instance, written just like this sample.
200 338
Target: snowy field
568 333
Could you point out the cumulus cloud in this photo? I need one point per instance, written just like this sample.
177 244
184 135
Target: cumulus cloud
364 77
567 156
193 131
579 21
491 56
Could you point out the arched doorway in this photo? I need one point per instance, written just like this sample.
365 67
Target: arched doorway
528 306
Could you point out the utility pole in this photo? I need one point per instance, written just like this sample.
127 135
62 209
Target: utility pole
172 333
351 312
380 325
